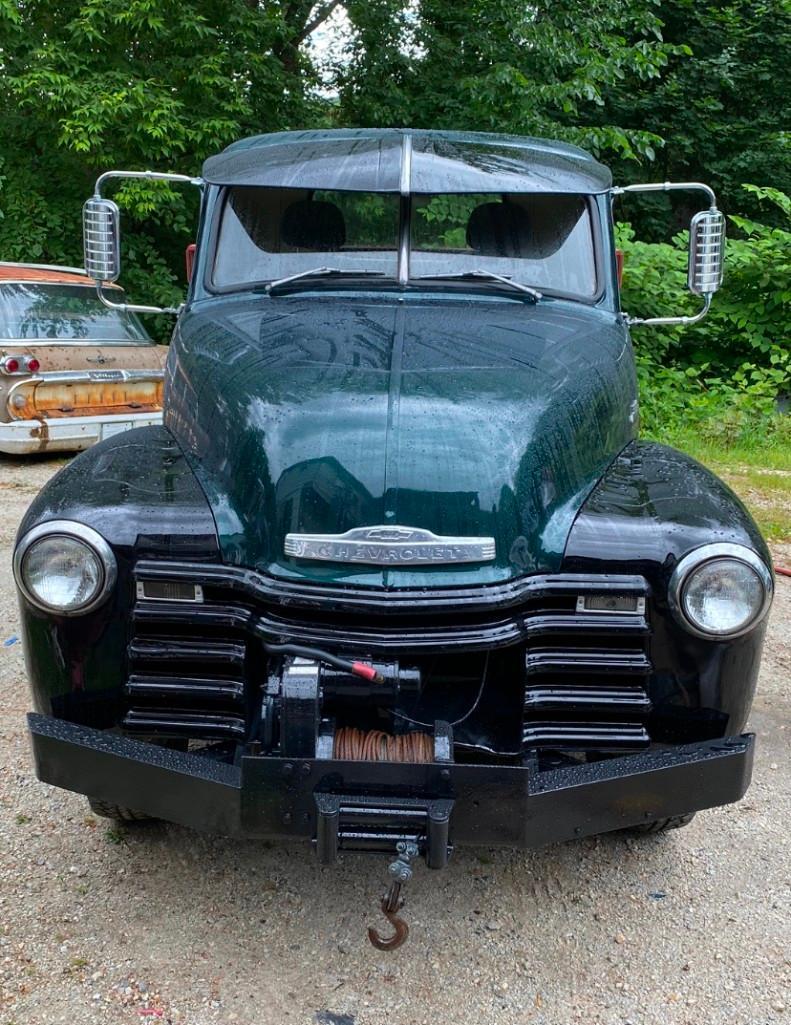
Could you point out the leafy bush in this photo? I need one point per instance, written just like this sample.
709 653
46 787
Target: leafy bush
749 316
727 377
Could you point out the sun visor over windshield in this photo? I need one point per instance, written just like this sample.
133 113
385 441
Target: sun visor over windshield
370 160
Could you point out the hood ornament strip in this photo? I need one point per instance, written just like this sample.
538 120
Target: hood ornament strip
390 546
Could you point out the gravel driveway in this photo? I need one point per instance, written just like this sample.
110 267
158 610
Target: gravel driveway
161 924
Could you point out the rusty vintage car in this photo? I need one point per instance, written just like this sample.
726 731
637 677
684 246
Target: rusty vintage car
72 371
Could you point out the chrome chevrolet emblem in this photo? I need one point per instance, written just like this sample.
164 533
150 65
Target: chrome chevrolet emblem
390 546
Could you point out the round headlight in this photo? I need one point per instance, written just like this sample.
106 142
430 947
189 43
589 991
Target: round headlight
721 590
64 567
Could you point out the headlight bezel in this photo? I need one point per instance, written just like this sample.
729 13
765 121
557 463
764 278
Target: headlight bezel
89 537
687 566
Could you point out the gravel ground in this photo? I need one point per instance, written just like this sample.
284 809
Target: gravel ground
161 924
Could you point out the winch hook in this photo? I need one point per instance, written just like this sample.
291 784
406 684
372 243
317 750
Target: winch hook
401 872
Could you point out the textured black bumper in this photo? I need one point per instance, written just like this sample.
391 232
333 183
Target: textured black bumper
488 805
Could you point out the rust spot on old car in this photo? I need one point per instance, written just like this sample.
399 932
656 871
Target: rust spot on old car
36 399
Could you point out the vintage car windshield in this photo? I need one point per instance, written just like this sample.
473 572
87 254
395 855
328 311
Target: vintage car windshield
539 239
33 311
544 240
267 234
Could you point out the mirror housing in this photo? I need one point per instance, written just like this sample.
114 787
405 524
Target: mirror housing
101 239
706 252
706 249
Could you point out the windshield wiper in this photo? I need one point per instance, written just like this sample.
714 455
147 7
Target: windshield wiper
319 272
487 275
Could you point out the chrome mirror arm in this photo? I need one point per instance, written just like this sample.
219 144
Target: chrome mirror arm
631 321
619 190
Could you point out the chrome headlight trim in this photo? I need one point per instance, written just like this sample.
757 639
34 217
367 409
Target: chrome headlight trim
711 553
80 532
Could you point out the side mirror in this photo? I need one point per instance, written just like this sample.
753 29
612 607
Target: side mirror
706 249
101 239
706 252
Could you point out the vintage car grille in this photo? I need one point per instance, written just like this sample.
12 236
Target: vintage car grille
194 668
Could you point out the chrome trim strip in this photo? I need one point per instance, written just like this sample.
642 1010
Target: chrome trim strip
91 539
405 211
710 553
47 342
90 377
390 546
486 598
406 166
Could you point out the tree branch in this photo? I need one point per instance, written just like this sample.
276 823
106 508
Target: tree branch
320 17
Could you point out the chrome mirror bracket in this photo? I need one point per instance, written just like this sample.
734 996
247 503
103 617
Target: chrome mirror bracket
706 249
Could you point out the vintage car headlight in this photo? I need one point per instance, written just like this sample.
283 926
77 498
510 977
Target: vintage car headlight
64 567
720 590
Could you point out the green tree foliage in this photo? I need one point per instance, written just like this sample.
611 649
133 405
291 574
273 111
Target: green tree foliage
90 85
496 65
722 376
722 110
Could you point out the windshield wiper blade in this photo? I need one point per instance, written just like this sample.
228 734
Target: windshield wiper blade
319 272
487 275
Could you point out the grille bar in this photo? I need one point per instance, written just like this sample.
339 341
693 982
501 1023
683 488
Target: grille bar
600 698
190 690
594 661
171 650
584 736
206 726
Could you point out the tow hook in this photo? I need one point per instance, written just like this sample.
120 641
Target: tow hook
400 872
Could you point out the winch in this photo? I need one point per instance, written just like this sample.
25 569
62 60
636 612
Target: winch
311 709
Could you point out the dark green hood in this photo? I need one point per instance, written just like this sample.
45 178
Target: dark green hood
464 417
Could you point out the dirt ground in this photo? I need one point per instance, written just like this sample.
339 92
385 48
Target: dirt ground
160 924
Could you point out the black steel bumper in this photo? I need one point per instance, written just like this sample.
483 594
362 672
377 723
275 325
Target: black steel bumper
370 805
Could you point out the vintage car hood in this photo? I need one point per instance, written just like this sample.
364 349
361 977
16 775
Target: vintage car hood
473 418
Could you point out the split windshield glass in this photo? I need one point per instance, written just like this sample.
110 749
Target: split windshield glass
536 239
267 234
32 310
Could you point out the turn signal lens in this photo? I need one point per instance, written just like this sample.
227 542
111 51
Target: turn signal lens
10 365
33 364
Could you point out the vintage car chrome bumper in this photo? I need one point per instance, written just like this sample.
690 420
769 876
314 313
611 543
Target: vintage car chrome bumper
68 433
348 805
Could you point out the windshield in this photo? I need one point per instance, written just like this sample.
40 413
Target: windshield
542 240
537 239
268 234
33 311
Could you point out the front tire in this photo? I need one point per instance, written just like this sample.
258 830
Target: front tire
662 825
106 810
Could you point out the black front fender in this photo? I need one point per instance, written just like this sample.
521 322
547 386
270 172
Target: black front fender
137 490
653 506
